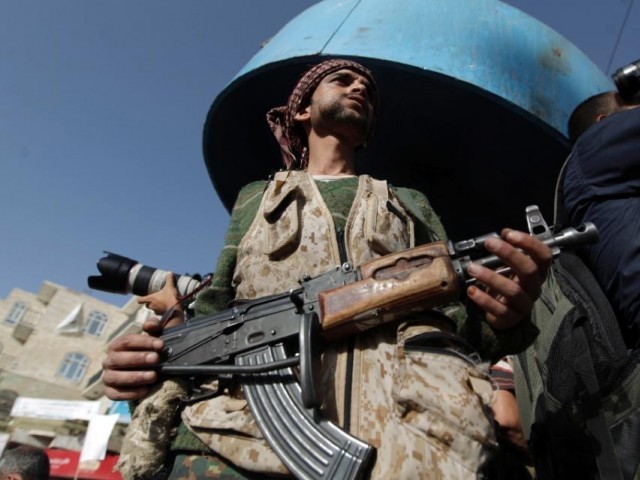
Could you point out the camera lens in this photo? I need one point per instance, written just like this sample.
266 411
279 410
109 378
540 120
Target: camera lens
627 80
125 275
115 274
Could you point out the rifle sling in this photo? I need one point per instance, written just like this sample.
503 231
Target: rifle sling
600 434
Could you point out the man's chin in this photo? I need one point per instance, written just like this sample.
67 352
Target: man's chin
357 121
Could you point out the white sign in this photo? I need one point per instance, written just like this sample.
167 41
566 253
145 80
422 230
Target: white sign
97 437
54 409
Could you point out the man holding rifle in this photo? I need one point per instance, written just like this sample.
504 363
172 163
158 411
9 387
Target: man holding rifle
413 388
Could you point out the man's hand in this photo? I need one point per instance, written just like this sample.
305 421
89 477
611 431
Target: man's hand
128 367
509 299
164 299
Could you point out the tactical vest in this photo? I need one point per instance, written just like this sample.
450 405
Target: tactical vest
294 235
369 381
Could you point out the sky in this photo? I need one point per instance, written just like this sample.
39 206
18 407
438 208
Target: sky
102 105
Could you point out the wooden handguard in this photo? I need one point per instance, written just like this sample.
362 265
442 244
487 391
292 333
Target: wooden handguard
393 285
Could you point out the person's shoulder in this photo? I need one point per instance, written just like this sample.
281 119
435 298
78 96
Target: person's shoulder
618 128
252 187
250 192
412 192
413 197
630 115
420 208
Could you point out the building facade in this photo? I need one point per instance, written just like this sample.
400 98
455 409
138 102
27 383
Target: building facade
51 347
53 341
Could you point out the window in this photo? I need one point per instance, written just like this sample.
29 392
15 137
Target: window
16 313
74 366
95 323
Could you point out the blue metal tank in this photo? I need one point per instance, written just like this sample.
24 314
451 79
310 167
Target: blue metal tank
475 96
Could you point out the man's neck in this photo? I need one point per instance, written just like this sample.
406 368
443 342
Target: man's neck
330 155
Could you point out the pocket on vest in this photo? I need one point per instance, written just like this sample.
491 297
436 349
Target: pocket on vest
283 214
384 227
441 397
227 427
223 413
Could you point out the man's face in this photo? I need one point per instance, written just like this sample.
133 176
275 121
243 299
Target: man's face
343 99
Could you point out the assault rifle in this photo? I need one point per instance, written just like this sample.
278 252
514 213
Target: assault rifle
262 340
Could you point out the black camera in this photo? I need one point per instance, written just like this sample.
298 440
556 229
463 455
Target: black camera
627 80
124 275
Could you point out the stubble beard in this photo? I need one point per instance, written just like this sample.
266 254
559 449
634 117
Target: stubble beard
336 112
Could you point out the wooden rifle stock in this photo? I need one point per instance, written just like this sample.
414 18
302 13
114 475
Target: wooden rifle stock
393 285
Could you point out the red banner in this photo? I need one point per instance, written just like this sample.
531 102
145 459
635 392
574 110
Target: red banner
64 464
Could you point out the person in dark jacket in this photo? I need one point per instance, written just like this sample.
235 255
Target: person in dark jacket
601 184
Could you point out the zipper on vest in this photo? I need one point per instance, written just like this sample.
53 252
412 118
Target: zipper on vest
342 248
342 251
348 384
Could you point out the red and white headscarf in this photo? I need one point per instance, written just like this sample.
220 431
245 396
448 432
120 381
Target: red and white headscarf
290 137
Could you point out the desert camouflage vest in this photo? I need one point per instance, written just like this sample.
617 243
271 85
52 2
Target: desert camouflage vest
293 233
370 384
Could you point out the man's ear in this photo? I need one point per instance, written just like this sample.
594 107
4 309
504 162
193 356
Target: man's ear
601 116
303 115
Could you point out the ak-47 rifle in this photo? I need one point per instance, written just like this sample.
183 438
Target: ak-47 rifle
255 340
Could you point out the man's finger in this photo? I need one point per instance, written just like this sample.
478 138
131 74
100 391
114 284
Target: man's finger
533 247
128 360
135 342
128 379
528 272
126 394
500 286
497 313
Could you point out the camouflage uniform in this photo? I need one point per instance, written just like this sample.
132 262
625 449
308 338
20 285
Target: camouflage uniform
191 467
424 408
425 412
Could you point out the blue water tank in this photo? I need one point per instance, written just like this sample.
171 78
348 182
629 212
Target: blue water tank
475 96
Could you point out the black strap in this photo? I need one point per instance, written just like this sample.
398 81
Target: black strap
600 435
444 343
561 218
